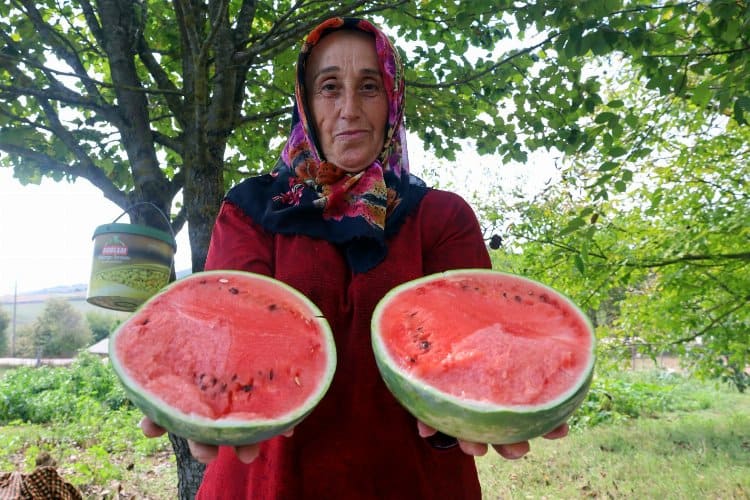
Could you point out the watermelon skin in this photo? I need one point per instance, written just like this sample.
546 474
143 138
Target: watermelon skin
231 429
476 420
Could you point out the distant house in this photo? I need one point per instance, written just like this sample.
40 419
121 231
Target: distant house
101 348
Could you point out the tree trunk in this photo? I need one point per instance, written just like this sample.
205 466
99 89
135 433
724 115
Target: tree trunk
189 470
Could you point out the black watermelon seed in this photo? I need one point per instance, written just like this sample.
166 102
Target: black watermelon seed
272 307
247 388
424 345
233 291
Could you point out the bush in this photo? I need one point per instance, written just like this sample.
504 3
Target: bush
40 395
619 396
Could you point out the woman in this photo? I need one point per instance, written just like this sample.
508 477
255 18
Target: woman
341 219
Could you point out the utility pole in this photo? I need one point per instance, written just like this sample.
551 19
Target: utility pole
13 331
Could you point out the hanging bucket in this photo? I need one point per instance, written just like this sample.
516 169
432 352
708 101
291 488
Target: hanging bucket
131 262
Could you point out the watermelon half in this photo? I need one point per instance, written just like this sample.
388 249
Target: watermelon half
484 356
225 357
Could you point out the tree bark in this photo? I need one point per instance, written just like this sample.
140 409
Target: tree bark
189 470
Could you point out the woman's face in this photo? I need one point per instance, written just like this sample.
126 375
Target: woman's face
347 99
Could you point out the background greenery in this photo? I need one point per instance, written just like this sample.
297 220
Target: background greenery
639 434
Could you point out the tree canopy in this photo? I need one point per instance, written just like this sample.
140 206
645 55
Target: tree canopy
151 100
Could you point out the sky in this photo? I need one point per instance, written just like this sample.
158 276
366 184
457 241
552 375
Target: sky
46 230
46 233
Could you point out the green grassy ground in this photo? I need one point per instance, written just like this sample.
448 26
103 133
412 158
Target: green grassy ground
692 441
700 454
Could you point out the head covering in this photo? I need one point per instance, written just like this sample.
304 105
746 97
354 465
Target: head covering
306 194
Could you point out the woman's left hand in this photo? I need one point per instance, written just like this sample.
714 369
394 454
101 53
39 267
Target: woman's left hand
510 451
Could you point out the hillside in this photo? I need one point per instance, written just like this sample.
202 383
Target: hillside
30 304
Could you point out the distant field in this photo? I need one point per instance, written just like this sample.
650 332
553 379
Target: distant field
27 312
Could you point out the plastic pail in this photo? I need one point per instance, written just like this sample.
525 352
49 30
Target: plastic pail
131 262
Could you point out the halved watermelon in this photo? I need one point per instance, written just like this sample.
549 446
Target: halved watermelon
225 357
482 355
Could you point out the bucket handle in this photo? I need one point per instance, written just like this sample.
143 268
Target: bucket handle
153 205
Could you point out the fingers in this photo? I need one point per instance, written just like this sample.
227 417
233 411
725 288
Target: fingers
473 449
150 429
424 429
512 451
247 453
558 433
204 453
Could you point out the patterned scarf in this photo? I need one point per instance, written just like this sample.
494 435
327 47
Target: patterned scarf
305 194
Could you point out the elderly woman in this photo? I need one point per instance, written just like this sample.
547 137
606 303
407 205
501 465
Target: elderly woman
341 219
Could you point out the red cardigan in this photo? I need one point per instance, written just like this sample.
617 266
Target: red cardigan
359 443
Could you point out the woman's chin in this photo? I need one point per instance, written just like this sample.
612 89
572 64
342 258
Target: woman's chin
352 164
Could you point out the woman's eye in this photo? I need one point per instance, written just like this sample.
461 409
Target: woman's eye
370 87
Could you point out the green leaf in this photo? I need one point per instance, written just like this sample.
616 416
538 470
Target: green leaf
741 107
578 262
701 94
573 224
606 117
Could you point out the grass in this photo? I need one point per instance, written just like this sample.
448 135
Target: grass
691 440
702 453
104 459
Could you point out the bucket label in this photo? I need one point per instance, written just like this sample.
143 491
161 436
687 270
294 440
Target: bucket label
114 250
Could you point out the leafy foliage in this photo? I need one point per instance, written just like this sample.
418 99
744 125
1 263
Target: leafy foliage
59 331
186 99
77 416
629 395
101 324
63 394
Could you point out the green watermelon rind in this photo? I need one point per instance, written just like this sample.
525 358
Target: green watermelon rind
226 431
470 420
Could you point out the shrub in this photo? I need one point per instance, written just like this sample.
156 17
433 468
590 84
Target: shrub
40 395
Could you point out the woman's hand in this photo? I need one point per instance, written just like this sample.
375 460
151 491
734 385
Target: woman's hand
206 453
510 451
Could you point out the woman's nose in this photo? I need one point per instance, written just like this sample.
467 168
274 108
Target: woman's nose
351 104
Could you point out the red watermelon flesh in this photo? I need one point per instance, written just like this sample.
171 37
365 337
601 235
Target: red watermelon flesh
506 342
225 357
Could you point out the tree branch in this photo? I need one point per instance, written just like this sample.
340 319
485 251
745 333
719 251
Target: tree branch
742 303
475 76
693 258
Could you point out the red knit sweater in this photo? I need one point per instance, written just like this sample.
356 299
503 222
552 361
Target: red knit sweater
359 443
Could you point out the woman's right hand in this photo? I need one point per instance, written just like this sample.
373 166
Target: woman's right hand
206 453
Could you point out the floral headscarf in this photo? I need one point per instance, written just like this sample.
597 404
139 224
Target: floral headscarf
305 194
